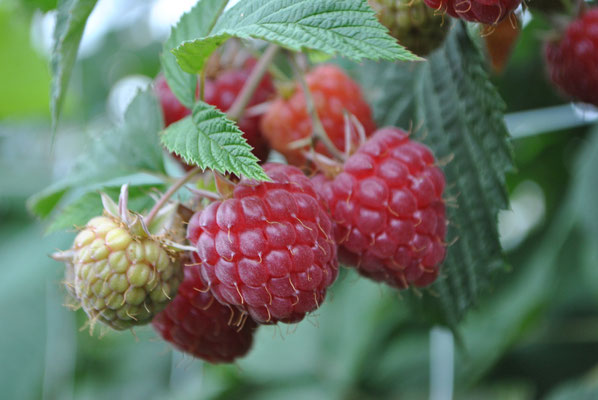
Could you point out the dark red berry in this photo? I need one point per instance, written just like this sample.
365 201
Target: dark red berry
172 109
573 60
287 120
488 12
195 323
388 210
268 250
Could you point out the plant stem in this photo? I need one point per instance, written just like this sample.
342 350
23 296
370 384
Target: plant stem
236 111
318 131
169 193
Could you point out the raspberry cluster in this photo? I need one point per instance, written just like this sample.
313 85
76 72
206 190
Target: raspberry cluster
573 60
267 252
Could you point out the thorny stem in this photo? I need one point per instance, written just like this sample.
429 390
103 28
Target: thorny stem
242 100
317 128
171 191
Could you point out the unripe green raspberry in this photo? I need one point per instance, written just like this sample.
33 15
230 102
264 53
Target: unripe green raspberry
120 278
415 25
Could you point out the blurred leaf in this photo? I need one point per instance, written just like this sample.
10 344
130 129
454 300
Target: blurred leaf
196 23
586 389
23 79
347 27
25 271
209 139
114 157
44 5
587 188
70 23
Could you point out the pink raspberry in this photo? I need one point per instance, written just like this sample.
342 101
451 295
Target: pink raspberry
334 92
195 323
268 250
388 210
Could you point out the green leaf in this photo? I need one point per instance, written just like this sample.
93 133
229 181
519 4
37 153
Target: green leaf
451 105
210 140
347 27
462 114
70 23
196 23
113 156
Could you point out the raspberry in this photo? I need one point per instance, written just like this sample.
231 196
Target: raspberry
222 92
488 12
287 120
172 109
268 250
388 210
119 278
573 60
412 23
198 325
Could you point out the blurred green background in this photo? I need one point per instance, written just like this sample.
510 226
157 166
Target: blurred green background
533 335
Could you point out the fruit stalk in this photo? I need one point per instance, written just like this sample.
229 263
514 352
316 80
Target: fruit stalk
172 190
236 111
318 129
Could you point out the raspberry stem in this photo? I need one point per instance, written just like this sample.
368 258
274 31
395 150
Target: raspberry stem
236 111
169 193
318 131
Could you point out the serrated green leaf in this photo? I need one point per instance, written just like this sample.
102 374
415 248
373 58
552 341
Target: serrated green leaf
462 114
124 151
196 23
451 105
70 22
209 139
347 27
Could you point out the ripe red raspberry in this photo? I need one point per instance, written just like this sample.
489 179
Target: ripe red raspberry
287 120
388 210
573 60
172 109
222 92
488 12
269 249
198 325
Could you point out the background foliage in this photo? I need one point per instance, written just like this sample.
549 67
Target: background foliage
533 332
